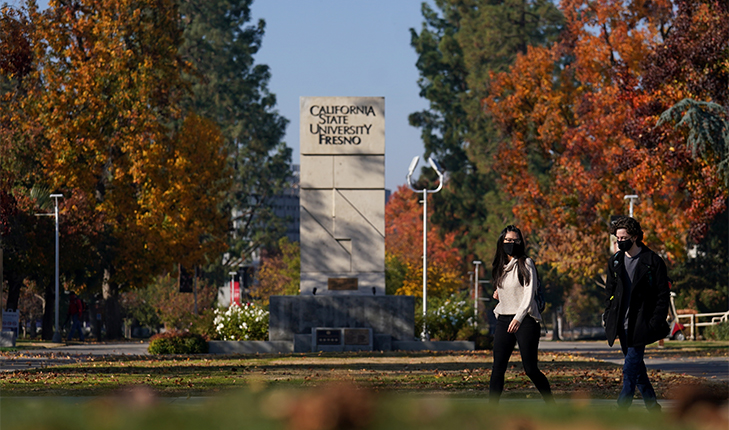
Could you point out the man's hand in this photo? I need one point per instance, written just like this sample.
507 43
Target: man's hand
513 326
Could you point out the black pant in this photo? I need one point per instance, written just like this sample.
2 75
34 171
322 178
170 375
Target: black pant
504 342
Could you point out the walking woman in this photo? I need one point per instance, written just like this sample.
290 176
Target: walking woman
515 278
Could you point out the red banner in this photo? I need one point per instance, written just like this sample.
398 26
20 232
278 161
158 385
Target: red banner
235 292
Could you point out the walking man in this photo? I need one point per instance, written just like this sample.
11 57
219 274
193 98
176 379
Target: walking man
636 306
75 312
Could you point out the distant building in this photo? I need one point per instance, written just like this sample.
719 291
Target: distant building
286 205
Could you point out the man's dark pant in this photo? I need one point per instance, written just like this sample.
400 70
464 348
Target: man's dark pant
636 375
504 343
76 326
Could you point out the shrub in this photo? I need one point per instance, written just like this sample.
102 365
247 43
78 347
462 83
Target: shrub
246 322
446 318
279 273
202 324
480 336
717 332
177 343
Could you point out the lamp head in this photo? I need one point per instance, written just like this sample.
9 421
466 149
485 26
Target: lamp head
413 164
434 164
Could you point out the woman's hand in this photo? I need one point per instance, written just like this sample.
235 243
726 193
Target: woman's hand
513 326
496 294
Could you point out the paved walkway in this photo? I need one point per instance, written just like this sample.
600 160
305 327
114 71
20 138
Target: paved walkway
715 368
49 354
117 348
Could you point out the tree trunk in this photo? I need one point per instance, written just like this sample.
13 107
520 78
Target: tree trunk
112 309
14 286
555 326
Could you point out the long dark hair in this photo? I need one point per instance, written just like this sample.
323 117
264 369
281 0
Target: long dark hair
501 259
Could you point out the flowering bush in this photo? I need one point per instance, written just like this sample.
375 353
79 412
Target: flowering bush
241 322
446 317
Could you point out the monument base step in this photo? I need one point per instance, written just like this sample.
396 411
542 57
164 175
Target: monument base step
249 347
304 345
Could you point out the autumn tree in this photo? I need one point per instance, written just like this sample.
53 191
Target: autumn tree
579 132
110 102
16 66
687 79
688 76
232 91
457 47
26 240
403 251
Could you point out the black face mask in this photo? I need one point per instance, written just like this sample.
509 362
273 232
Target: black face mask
512 249
625 245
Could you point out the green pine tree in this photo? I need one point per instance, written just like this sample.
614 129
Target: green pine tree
229 88
458 46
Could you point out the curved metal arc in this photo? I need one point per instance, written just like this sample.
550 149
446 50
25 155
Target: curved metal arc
434 165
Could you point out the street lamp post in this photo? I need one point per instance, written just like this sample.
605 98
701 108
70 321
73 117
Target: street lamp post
57 329
475 289
424 335
631 197
57 334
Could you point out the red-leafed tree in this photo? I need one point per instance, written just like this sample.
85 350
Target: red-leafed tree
569 115
687 77
404 250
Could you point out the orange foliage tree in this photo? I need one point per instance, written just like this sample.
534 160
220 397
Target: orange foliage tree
109 109
570 154
404 250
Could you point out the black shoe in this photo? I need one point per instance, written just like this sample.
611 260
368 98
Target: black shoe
656 409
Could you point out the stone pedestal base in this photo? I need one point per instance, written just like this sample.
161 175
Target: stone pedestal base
391 318
7 339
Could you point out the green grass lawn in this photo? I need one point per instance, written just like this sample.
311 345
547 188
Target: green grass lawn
466 373
719 347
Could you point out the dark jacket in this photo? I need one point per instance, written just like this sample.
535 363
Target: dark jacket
75 306
649 299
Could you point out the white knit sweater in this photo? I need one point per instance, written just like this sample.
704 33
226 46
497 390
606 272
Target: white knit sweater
515 299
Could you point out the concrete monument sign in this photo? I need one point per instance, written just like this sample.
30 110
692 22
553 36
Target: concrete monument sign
342 195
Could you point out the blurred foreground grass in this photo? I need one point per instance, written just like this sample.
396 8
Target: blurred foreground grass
337 406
